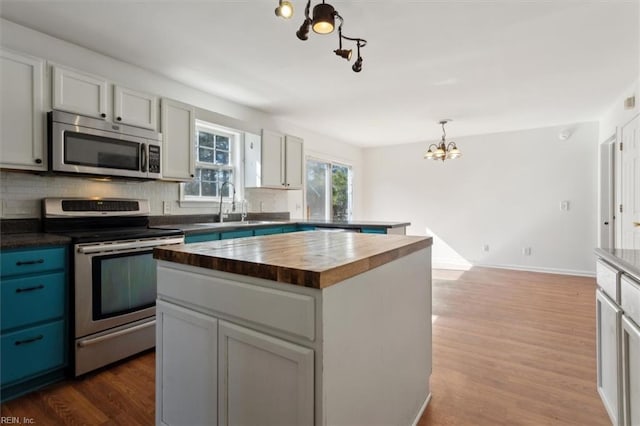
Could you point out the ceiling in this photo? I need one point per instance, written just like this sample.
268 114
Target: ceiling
490 65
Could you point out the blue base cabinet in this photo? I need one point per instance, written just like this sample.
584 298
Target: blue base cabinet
33 320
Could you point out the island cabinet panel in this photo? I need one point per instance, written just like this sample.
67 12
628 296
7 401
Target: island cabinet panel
281 311
186 366
263 380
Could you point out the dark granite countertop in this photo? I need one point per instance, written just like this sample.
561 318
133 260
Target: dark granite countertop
32 239
207 227
626 260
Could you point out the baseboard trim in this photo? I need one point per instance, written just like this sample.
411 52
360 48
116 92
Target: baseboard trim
421 411
448 264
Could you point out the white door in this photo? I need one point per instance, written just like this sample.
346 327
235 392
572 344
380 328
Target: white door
186 366
608 317
80 93
629 217
263 380
178 140
631 371
607 193
21 112
294 163
272 159
135 108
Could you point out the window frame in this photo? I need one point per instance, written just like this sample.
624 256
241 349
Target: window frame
235 165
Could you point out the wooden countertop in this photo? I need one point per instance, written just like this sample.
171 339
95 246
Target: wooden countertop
314 259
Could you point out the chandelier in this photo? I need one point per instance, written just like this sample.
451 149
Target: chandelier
442 151
322 21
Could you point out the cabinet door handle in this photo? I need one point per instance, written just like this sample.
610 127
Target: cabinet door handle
103 115
33 339
38 161
119 118
29 262
23 290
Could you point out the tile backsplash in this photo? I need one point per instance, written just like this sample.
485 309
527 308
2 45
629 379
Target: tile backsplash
21 194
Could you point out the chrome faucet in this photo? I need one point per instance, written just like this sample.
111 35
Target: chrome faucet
233 202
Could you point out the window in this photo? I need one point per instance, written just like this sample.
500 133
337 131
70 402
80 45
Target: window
217 161
329 190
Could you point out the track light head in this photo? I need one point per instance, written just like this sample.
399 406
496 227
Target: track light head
344 53
303 32
284 9
323 18
357 66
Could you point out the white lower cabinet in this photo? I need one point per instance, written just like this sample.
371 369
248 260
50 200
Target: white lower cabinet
608 332
263 380
213 372
631 371
186 366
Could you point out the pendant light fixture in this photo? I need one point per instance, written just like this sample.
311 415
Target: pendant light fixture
443 151
323 21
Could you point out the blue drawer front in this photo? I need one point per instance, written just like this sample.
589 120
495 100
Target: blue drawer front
198 238
374 230
267 231
31 351
30 261
236 234
32 299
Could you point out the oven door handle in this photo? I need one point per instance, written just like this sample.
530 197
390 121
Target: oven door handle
93 341
97 248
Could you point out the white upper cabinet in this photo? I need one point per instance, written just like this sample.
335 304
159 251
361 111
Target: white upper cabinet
252 160
22 144
178 140
135 108
294 152
272 159
275 161
79 92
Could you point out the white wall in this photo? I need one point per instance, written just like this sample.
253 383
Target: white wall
21 193
505 191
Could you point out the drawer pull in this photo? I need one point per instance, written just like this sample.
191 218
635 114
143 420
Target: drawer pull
22 290
29 262
33 339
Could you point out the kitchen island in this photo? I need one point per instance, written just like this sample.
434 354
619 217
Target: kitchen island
305 328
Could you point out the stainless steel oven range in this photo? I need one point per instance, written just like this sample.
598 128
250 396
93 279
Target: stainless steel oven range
114 275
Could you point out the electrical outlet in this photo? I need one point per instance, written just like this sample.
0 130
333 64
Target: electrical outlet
485 247
526 251
166 207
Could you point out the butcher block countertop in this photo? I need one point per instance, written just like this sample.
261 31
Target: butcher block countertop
315 259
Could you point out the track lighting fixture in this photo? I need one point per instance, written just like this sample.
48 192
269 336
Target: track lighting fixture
322 21
303 32
323 18
284 9
442 151
357 66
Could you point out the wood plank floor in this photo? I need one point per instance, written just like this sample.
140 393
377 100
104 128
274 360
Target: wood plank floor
510 348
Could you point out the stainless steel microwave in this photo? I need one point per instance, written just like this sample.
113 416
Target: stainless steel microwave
79 144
